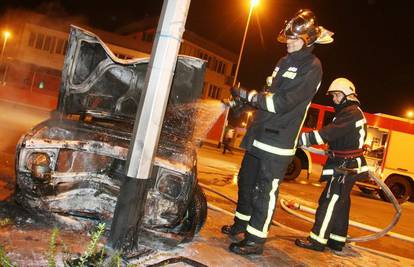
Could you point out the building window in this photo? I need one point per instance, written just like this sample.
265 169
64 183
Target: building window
214 91
46 45
49 43
59 46
219 66
223 68
32 39
39 40
52 45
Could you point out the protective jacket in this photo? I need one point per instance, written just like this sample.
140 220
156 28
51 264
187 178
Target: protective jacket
282 110
345 136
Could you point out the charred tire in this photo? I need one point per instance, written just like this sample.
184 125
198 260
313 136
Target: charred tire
293 169
399 186
197 209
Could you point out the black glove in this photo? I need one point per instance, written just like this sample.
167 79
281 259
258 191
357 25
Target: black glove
243 94
304 140
238 93
237 108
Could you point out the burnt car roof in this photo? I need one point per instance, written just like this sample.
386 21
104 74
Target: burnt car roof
97 83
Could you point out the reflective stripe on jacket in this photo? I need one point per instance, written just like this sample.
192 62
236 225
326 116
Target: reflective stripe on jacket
281 111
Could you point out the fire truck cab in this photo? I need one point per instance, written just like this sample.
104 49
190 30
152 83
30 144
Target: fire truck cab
390 142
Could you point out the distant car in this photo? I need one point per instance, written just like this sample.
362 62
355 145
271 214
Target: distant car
70 167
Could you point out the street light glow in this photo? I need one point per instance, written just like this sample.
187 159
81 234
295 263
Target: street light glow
6 34
410 114
254 3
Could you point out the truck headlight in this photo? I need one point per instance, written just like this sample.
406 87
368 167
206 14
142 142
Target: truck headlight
39 166
170 184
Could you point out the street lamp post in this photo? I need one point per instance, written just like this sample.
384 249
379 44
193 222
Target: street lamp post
253 3
6 36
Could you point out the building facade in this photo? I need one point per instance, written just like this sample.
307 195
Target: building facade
33 54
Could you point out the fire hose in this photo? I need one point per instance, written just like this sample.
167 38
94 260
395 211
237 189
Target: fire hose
214 207
378 232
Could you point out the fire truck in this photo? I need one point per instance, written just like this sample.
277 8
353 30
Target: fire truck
389 151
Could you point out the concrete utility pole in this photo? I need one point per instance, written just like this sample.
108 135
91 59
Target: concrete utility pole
148 122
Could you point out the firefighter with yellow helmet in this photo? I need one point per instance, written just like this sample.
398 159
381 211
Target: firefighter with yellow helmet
270 140
345 136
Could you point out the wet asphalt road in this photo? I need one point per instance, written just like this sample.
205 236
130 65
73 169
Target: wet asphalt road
218 170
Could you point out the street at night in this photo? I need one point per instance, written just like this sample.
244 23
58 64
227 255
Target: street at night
206 133
217 171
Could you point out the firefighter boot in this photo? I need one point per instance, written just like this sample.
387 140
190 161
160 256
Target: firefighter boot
309 244
247 247
233 230
335 245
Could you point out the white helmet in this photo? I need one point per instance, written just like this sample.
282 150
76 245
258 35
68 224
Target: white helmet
342 85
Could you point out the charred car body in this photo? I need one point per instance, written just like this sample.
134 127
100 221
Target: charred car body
70 167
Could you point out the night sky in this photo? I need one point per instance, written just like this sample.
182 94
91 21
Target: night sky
372 47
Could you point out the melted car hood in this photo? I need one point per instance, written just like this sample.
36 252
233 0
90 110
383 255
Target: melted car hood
95 82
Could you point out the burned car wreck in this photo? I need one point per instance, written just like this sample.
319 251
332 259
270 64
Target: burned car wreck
70 167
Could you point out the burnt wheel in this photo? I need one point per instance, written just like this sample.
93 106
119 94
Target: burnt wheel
293 169
197 210
195 216
399 186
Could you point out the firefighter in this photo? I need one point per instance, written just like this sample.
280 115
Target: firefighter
228 137
345 136
270 140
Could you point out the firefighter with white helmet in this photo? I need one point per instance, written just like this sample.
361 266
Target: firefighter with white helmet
344 86
345 136
270 140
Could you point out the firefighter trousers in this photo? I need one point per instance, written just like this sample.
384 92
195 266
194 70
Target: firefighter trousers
258 183
332 214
